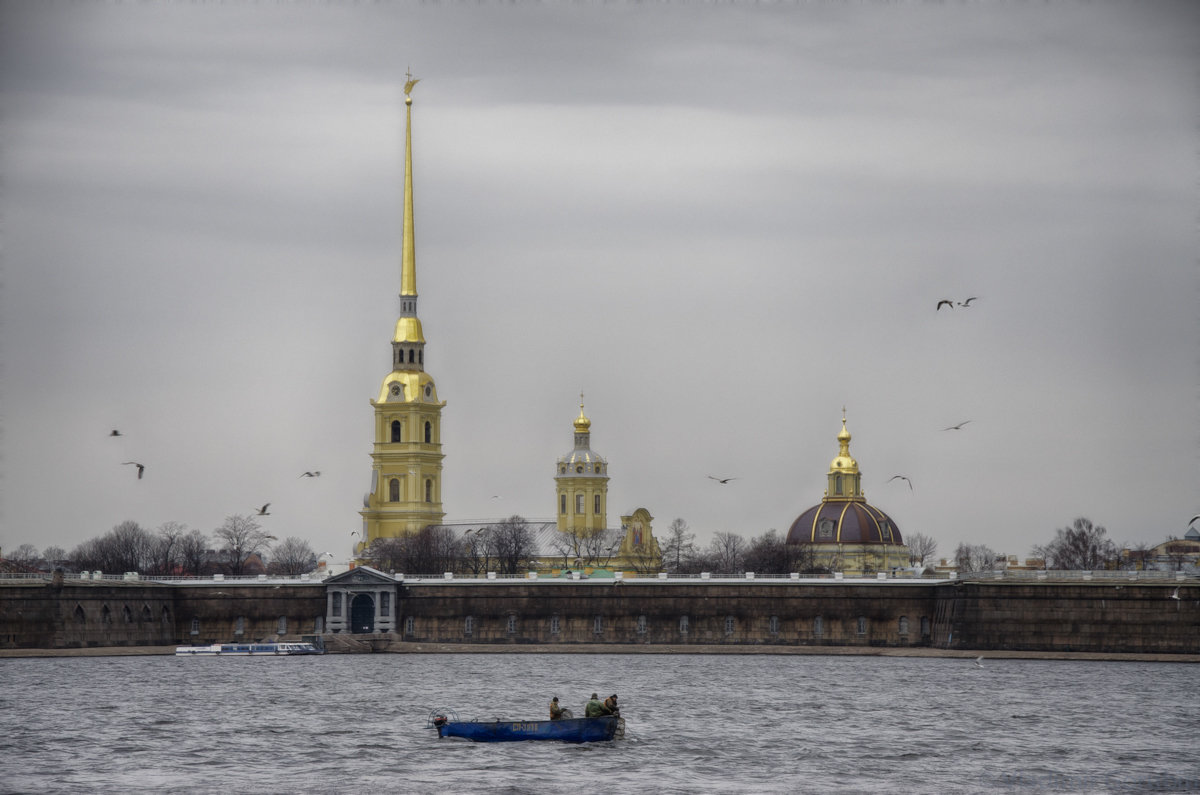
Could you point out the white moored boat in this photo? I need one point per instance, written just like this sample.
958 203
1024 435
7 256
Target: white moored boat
284 649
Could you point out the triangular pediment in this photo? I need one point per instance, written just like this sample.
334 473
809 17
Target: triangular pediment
361 575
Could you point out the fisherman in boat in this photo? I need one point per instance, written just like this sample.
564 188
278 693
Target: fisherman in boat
556 711
594 708
610 706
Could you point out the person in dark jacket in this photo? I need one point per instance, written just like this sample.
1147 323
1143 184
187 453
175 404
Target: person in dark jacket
556 711
610 706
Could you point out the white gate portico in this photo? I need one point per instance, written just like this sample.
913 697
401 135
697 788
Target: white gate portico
362 600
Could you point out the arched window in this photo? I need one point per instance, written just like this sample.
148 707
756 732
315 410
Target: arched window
596 508
468 625
80 618
396 430
578 503
428 491
837 488
394 490
127 614
773 625
641 625
555 625
409 625
146 615
598 625
428 432
336 607
166 616
195 626
410 355
239 626
818 627
862 625
105 616
730 624
903 625
281 628
683 625
512 624
562 503
924 625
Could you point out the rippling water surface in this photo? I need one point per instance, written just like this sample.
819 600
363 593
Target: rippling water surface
694 724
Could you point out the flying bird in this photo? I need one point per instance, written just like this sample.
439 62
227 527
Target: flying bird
944 302
263 510
979 661
721 480
1175 595
901 477
115 432
968 301
313 474
141 467
1194 518
956 427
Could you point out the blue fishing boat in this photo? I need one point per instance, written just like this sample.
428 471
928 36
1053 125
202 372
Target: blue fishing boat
567 730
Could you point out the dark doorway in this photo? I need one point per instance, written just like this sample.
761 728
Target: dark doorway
362 613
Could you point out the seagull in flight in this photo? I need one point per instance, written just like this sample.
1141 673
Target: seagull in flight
944 302
956 427
263 510
115 432
901 477
979 661
968 301
1193 521
1175 594
314 474
141 467
721 480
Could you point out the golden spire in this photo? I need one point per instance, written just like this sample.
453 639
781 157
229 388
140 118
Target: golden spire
844 462
582 423
408 327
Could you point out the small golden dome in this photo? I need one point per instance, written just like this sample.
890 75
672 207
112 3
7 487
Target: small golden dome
582 423
844 462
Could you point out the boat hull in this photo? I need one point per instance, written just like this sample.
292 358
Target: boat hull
286 649
568 730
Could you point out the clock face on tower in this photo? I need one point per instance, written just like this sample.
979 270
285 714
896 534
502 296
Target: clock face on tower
395 390
428 390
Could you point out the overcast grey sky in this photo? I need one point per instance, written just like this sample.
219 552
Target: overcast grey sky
722 222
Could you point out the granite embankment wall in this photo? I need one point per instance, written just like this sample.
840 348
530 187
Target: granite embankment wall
1099 617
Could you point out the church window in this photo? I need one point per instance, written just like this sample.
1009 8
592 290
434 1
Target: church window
598 625
336 608
239 626
730 625
468 625
862 625
281 626
773 625
578 503
396 431
903 625
562 503
385 604
428 491
683 625
394 490
428 432
555 625
596 509
818 627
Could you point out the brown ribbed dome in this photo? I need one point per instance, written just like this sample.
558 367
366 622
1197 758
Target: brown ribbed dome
841 522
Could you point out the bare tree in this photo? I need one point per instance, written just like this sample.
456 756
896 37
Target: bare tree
292 556
678 546
771 554
728 552
241 537
166 548
388 554
1081 546
26 553
974 557
191 552
920 548
511 545
586 547
476 551
54 554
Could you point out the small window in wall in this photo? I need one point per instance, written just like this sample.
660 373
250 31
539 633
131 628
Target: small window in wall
385 604
578 503
428 491
579 469
730 624
555 625
281 628
862 625
409 626
597 469
825 528
127 614
394 490
336 607
598 625
641 625
397 433
411 357
903 625
319 625
837 488
924 625
428 432
195 626
166 616
562 503
511 627
818 627
146 616
80 618
239 626
596 507
683 625
106 616
469 625
773 625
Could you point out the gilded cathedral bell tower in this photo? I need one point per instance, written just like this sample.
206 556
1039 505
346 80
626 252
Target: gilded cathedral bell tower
406 476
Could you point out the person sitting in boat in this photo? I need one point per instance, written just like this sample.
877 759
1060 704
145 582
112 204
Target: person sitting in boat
594 708
610 706
556 712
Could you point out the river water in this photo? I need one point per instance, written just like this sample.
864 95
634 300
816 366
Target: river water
694 724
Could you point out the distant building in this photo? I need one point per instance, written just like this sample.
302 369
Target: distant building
844 532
